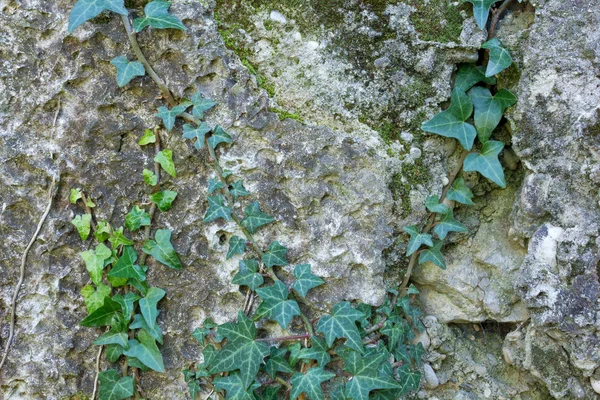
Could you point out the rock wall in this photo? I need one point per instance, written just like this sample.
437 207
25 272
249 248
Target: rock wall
324 100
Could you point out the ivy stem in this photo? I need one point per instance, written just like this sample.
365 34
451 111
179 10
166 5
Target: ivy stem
376 327
283 382
285 338
153 206
497 13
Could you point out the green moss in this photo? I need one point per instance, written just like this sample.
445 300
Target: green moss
437 20
286 115
402 183
510 77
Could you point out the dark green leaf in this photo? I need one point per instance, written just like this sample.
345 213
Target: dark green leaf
82 223
275 304
201 105
305 280
214 185
149 177
410 380
276 255
103 315
460 192
367 376
416 352
140 323
168 116
481 11
117 238
157 16
255 218
248 276
433 255
113 386
137 218
395 331
277 362
417 239
148 305
469 75
126 303
113 352
237 245
84 10
219 135
500 58
127 70
489 109
94 261
125 268
433 205
295 350
146 351
112 337
164 199
237 189
318 352
162 249
235 387
148 138
448 224
310 383
217 209
486 162
94 298
341 325
197 133
165 159
141 286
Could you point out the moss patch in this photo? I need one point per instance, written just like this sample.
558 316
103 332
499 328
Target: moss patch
286 115
437 20
402 183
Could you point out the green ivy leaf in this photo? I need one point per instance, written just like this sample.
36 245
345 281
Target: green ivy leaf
417 239
82 223
165 159
237 245
113 352
310 383
112 337
226 173
84 10
149 177
471 74
235 388
395 331
219 135
237 189
241 352
214 185
140 323
255 218
489 109
148 138
247 275
164 199
318 351
448 224
113 386
217 209
198 133
275 304
75 195
125 268
157 16
146 351
416 353
103 315
127 303
481 11
433 255
103 231
94 297
168 116
451 122
294 349
201 105
200 333
460 192
94 261
162 250
305 280
367 376
276 255
409 379
117 238
341 324
148 305
136 218
500 58
127 70
486 162
277 362
433 205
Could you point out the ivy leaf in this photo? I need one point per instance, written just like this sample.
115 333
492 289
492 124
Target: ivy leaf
341 324
113 386
395 331
460 192
433 255
125 268
112 337
103 315
200 105
127 70
214 185
237 245
486 162
448 224
255 218
310 383
241 352
94 261
103 231
470 74
200 333
162 250
140 323
168 116
275 304
481 11
367 376
136 218
305 280
198 133
277 362
276 255
219 135
117 238
235 388
409 379
489 109
417 239
126 303
146 351
416 352
500 58
148 305
217 209
75 195
247 275
94 298
157 16
113 352
149 177
237 189
433 205
164 199
82 223
165 159
451 122
318 351
148 138
85 10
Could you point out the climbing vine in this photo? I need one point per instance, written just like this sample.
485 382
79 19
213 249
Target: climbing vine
356 351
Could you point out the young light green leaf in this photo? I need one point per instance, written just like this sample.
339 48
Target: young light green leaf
451 122
219 135
146 351
417 239
275 304
201 104
140 323
481 11
84 10
471 74
112 337
448 224
277 362
433 205
148 138
247 275
235 388
237 245
342 324
103 231
460 192
168 116
117 238
127 70
117 282
310 383
148 305
157 16
276 255
198 133
318 351
164 199
255 218
162 250
165 159
113 386
94 298
489 109
149 177
433 255
90 203
103 315
214 185
125 268
500 58
75 195
486 162
136 218
217 209
305 280
94 261
82 223
368 376
237 189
